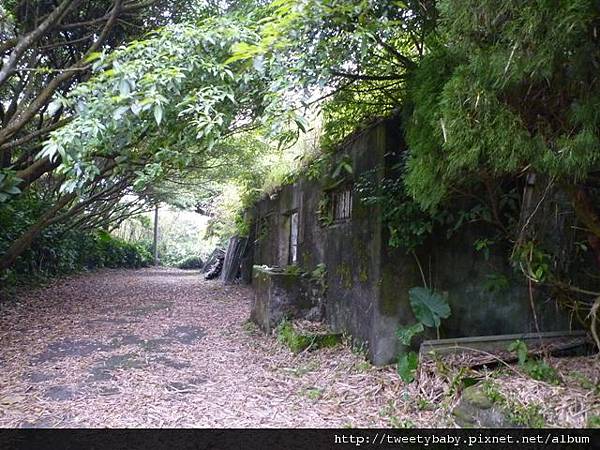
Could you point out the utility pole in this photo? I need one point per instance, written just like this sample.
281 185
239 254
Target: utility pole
155 241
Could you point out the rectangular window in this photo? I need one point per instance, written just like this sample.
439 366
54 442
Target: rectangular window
341 204
293 259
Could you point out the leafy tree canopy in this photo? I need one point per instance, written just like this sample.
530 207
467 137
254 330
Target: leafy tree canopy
514 88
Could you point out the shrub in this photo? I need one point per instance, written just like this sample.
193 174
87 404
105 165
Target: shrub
58 250
191 262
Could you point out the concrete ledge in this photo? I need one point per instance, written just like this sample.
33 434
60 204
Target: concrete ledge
280 295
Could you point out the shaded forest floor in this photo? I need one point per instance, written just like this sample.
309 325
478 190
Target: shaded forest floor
164 348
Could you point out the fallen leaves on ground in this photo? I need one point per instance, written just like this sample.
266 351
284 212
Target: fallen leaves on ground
164 348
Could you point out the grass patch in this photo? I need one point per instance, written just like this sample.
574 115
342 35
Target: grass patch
593 421
313 393
297 341
528 416
363 366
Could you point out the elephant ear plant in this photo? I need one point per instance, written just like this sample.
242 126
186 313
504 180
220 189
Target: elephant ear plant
429 307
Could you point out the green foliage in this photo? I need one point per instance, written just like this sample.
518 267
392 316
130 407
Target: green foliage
428 306
407 366
342 168
538 369
593 421
297 342
407 223
107 251
512 88
319 273
496 282
59 250
8 185
286 334
173 88
293 269
311 39
483 245
492 393
526 415
520 348
191 262
317 168
324 211
533 261
521 415
242 225
406 334
313 393
171 101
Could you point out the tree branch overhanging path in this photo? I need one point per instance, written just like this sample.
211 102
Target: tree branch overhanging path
202 87
109 108
45 55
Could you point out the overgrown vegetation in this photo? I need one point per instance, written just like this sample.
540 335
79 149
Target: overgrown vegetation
498 102
536 368
60 249
191 262
429 307
520 415
299 341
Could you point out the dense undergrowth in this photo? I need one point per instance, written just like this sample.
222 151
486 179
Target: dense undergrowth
60 249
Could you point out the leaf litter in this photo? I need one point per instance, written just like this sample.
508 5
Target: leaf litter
165 348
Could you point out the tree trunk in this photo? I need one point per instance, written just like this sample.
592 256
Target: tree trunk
155 241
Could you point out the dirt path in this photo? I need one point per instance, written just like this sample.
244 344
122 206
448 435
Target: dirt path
163 348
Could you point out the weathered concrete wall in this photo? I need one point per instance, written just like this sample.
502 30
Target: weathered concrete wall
280 295
368 282
477 307
353 248
350 249
454 268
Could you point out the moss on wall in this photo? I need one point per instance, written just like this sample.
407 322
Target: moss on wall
344 273
361 255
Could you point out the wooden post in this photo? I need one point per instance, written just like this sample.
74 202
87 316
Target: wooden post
155 241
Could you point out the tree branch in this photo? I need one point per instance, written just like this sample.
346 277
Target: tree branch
31 38
356 76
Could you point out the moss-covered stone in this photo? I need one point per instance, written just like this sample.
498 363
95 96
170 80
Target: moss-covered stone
298 341
477 409
389 293
478 398
483 406
361 255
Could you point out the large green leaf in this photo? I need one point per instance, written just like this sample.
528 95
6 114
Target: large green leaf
428 306
407 366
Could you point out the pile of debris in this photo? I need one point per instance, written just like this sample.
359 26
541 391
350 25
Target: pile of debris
214 264
227 264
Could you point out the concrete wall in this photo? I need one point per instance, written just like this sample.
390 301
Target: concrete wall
368 282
